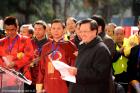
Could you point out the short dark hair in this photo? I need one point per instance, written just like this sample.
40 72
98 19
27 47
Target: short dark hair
11 20
100 21
93 23
41 22
58 21
31 31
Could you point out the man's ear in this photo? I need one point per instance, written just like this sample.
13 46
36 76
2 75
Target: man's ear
99 29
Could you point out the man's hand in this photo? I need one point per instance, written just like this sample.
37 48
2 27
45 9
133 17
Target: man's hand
11 65
73 71
76 53
121 49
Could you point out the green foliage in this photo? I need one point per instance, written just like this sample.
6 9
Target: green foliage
27 10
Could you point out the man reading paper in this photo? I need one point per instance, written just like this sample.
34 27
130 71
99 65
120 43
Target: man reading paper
93 63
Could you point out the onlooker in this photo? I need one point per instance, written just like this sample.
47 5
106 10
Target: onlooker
93 63
27 30
110 29
134 68
48 30
70 28
119 59
38 41
77 38
2 32
101 32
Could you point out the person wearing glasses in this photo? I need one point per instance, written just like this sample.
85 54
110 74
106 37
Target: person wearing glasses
93 64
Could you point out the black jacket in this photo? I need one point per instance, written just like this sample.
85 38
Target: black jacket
132 70
109 42
94 69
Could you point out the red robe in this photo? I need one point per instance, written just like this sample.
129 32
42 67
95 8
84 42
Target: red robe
37 45
13 47
48 76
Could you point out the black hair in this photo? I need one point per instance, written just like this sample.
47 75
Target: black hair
58 21
31 31
11 20
138 32
41 22
100 21
93 23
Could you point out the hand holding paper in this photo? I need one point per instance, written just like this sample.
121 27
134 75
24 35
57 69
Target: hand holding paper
73 70
64 71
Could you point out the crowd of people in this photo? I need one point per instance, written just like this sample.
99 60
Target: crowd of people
100 57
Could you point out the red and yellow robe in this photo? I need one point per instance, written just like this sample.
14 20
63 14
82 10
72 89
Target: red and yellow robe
21 49
48 75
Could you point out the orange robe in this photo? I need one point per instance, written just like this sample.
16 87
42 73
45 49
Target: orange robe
15 47
48 75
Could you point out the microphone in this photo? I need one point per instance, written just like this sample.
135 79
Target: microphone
18 74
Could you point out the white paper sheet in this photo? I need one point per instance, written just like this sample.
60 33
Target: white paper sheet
63 69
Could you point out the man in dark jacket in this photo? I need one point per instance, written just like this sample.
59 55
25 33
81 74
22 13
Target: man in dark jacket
133 68
101 32
93 63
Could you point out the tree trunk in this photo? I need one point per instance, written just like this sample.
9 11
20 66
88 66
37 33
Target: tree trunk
66 7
